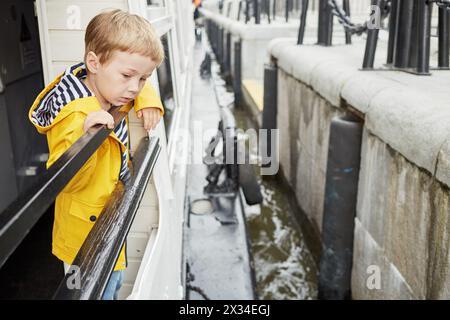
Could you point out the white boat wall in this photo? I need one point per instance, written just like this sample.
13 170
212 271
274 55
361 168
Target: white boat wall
154 243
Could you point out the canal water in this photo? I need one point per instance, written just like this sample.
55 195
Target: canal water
284 265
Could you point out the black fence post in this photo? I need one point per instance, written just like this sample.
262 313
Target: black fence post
325 29
403 39
414 43
409 36
393 28
371 42
286 10
229 9
346 7
424 10
443 55
239 11
267 9
274 9
257 11
302 27
340 208
247 11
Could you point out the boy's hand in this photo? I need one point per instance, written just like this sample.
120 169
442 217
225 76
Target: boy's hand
98 117
151 117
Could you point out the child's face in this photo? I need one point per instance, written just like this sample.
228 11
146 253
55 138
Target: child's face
120 79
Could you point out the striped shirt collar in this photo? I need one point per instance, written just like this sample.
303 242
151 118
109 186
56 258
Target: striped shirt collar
69 88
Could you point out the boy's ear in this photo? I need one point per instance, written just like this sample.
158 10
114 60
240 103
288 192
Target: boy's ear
92 62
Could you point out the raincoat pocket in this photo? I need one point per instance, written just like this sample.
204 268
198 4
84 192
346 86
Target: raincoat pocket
80 220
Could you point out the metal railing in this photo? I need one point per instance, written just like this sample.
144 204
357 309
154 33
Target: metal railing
410 36
408 23
98 254
19 217
285 10
409 31
342 11
294 7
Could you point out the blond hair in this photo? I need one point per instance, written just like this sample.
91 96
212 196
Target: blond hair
120 30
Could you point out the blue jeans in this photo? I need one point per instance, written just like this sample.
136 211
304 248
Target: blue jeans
113 286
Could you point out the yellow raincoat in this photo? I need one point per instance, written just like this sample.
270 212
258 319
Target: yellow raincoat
59 111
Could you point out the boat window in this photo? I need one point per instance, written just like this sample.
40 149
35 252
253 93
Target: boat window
166 85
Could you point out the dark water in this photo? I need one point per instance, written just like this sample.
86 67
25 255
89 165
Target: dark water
284 266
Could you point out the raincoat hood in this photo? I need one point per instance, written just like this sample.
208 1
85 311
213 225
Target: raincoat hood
65 94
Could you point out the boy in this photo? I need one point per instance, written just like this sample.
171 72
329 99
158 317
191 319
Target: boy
121 51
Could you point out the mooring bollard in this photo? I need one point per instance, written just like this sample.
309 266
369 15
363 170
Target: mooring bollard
340 208
269 116
237 73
